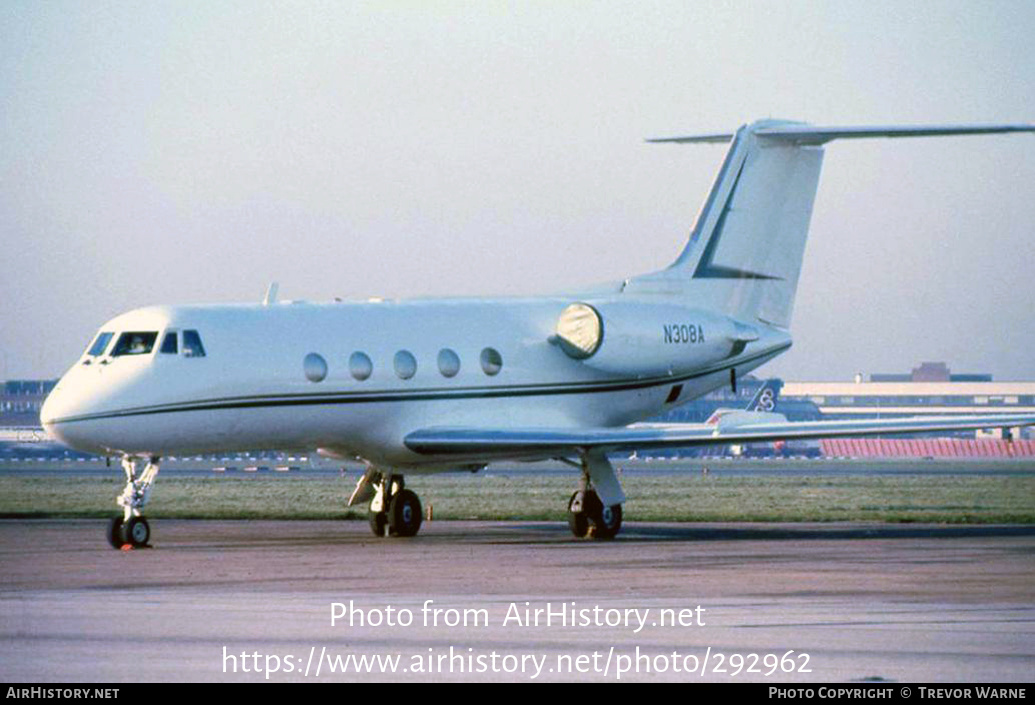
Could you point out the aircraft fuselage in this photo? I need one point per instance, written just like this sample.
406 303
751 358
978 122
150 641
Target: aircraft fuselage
427 363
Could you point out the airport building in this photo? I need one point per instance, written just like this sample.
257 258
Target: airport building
930 389
21 400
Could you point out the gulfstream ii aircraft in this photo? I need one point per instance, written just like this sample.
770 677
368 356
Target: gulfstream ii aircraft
427 386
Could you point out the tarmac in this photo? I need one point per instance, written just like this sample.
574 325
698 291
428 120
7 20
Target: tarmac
517 601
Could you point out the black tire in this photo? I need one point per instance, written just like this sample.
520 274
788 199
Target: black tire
578 522
378 522
404 514
605 522
136 532
115 533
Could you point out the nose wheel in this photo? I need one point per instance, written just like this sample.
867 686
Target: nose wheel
131 529
115 537
135 533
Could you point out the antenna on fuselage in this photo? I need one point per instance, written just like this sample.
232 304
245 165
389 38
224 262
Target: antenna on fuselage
271 294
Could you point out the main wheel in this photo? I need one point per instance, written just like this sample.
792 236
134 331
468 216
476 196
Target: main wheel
404 514
605 522
115 533
136 532
378 522
578 522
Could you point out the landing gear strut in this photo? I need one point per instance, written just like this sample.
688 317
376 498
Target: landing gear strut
588 515
132 529
394 508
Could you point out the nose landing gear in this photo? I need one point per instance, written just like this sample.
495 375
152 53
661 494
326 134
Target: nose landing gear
131 529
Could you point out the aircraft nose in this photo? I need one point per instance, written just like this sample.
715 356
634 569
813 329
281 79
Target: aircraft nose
54 407
49 410
57 415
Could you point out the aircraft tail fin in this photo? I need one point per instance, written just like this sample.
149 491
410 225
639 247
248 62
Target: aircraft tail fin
765 397
747 245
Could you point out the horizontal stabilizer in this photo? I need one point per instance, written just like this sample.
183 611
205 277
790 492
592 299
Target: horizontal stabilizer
814 134
718 137
745 250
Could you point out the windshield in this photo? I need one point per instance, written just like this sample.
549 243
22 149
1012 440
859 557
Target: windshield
100 344
192 346
135 343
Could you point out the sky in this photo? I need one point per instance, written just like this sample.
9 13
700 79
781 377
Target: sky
195 151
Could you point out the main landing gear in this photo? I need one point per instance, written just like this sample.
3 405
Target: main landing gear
589 517
131 529
394 510
595 508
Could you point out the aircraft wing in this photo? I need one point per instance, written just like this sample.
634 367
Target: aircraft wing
533 442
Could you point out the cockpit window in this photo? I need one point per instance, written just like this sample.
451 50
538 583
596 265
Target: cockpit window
135 343
169 343
100 344
192 346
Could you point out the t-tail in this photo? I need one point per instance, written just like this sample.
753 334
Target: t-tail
765 397
746 248
760 409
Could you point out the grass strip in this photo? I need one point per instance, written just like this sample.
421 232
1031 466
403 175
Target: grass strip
954 499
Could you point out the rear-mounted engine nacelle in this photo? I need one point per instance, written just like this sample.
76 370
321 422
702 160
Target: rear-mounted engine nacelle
643 339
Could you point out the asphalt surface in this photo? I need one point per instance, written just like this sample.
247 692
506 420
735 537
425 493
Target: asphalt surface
220 600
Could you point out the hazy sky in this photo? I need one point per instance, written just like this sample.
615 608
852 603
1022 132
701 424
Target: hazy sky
194 151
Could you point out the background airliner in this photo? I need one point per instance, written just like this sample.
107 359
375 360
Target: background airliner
437 385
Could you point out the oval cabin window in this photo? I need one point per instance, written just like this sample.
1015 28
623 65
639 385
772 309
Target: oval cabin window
448 362
360 366
405 364
492 361
315 367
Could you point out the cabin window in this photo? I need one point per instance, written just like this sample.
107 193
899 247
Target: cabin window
448 362
135 343
314 366
405 364
492 361
360 366
192 346
169 346
100 345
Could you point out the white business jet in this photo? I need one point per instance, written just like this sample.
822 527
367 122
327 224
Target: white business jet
427 386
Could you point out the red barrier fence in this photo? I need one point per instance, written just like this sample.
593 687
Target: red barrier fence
926 448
